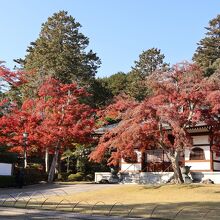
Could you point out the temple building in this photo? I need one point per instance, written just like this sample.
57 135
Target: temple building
153 166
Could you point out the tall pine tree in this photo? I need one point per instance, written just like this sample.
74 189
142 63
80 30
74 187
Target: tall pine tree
60 52
208 50
149 61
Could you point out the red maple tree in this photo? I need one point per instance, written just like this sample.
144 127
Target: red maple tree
55 119
8 107
115 111
65 119
180 100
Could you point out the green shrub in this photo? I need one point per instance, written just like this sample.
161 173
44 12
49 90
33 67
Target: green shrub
111 120
76 177
35 166
63 176
7 181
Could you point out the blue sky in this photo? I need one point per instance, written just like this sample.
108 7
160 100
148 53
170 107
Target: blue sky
119 30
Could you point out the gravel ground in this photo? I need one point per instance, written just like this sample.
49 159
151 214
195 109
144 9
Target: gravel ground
51 189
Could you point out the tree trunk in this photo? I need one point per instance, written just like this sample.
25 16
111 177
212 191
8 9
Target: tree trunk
46 160
174 158
68 165
25 158
53 165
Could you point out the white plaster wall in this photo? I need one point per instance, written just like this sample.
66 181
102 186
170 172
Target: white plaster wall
5 169
138 156
203 139
187 153
197 140
131 167
206 152
102 175
199 165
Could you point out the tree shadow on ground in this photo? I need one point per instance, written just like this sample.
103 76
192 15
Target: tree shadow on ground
179 186
185 210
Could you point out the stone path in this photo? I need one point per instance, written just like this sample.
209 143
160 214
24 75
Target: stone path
46 190
52 189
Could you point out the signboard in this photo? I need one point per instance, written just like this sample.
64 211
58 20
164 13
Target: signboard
5 169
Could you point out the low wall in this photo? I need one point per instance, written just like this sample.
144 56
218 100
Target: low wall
155 177
158 177
163 177
205 165
102 175
200 176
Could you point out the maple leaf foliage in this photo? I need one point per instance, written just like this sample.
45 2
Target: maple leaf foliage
57 115
64 118
9 123
116 109
55 119
11 78
213 112
27 120
16 119
181 99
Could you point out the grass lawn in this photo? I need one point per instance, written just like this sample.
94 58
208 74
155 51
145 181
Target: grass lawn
138 194
165 201
192 201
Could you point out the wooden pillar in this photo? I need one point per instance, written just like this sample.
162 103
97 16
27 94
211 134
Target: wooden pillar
143 162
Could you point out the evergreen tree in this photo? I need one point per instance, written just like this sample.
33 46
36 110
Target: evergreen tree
208 50
60 52
136 85
100 94
116 83
149 61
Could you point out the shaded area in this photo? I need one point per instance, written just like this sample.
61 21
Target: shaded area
59 203
184 210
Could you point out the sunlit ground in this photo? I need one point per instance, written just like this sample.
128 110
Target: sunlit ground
165 201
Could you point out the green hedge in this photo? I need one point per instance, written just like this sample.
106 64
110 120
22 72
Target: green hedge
7 181
63 176
31 176
76 177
